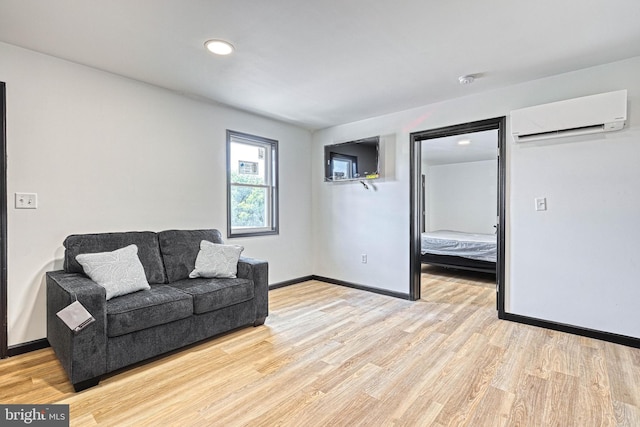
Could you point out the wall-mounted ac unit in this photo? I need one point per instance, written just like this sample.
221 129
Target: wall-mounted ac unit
604 112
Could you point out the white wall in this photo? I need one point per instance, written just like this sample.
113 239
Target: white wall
462 196
105 153
576 263
347 218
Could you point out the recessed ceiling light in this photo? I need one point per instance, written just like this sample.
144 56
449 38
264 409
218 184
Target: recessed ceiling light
464 142
219 47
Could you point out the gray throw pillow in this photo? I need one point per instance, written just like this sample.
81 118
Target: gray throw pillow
120 272
216 260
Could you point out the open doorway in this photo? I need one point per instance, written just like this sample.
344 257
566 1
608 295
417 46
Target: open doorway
444 209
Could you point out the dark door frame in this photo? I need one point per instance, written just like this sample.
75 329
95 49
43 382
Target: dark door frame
497 123
3 222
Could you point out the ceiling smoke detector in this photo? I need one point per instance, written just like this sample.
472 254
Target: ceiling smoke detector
466 80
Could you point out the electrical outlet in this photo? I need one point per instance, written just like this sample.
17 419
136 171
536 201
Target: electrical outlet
26 200
363 258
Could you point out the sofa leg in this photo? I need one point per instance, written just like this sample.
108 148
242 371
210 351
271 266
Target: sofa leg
259 321
83 385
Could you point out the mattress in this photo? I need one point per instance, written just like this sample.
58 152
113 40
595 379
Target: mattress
481 247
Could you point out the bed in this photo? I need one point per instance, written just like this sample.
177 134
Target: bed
455 249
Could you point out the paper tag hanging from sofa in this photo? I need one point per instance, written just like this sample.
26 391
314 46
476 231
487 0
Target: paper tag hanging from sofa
75 316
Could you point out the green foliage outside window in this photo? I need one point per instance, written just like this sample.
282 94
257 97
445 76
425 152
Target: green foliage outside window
248 203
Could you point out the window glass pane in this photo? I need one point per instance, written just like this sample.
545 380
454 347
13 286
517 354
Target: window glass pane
342 169
248 164
249 207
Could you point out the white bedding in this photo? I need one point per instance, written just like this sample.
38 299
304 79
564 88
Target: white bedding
481 247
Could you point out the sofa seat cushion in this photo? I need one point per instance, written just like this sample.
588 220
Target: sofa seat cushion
140 310
212 294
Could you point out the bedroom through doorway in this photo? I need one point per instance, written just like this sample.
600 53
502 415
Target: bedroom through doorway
457 204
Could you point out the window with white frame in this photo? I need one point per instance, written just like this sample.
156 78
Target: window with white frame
252 185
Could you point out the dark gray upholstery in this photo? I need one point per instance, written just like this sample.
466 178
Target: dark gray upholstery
258 272
143 309
212 294
140 345
134 327
148 250
90 344
180 248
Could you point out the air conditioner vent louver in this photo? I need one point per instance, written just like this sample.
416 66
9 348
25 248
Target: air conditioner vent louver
604 112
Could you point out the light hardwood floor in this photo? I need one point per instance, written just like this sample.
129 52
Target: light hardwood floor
330 355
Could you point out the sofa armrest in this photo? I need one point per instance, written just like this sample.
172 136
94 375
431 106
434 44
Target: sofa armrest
83 354
258 271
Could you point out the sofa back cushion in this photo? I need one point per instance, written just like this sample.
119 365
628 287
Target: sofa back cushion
148 250
180 248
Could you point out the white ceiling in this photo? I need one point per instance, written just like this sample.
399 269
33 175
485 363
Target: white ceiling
327 62
446 150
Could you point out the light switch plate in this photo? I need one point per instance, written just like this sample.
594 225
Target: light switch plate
26 200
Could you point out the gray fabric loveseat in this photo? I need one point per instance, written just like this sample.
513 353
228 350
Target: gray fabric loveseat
173 312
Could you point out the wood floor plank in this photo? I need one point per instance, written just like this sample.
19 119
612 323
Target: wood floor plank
493 409
626 415
529 406
624 380
470 373
331 355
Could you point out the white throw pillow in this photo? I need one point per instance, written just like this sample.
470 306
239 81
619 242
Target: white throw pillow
120 272
216 260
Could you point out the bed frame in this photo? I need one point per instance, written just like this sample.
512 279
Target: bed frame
457 262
